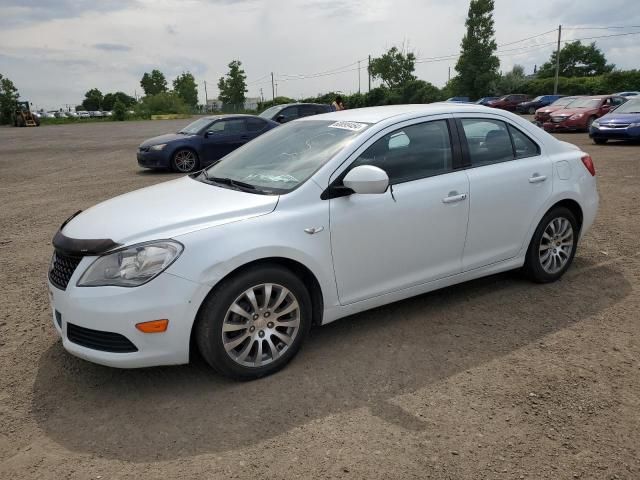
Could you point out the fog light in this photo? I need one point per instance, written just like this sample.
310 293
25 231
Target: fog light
154 326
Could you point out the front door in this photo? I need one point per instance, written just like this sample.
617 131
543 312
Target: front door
223 137
415 231
510 180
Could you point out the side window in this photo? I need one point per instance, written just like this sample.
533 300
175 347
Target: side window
322 108
523 145
412 152
617 101
488 141
289 113
228 127
306 110
255 124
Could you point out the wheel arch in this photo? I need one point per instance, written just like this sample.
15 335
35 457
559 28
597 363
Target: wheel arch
573 206
301 271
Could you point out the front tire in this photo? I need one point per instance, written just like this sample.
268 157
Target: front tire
532 110
184 161
589 122
553 246
254 323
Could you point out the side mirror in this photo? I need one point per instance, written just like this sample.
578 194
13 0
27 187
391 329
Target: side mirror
280 119
366 179
210 133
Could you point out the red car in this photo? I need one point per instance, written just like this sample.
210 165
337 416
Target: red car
544 113
580 114
509 102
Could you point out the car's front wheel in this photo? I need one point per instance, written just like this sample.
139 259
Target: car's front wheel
532 110
553 246
184 161
253 323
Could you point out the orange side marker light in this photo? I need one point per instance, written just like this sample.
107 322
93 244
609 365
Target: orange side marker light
154 326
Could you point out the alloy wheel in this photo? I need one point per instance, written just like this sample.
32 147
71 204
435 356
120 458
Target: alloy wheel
556 245
260 325
185 161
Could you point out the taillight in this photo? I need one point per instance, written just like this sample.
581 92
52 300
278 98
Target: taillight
588 163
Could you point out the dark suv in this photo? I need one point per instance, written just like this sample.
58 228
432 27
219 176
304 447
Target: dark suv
509 102
290 111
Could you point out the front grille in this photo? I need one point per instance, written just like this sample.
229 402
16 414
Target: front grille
615 125
558 119
99 340
62 268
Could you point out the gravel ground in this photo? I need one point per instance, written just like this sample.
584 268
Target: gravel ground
496 378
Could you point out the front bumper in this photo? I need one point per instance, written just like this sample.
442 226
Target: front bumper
118 309
153 158
603 132
565 126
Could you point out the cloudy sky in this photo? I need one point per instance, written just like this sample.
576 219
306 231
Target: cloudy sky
55 50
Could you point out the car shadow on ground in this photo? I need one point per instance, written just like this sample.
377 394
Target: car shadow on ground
361 361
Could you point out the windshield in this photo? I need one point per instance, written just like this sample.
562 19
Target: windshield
632 106
270 112
586 103
196 126
563 102
537 99
285 157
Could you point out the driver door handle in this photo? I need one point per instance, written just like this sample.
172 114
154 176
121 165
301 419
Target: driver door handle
454 197
537 178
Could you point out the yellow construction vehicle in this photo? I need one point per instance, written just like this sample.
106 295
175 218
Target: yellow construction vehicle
23 116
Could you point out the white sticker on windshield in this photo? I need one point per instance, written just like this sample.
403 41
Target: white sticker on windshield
354 126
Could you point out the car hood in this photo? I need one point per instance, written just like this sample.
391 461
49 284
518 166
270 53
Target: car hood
166 138
550 108
614 117
167 210
573 111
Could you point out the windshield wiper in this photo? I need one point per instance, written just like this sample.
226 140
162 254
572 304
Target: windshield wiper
231 182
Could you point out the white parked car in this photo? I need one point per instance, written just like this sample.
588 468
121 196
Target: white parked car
315 220
83 114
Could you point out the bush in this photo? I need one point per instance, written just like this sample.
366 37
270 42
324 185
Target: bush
161 103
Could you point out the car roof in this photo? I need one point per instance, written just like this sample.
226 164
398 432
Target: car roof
378 114
230 115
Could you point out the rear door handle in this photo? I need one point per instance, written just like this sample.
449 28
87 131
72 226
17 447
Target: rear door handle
454 198
537 178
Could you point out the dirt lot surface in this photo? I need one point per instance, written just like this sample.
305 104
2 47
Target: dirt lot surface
497 378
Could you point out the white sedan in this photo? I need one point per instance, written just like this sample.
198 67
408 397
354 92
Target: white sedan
315 220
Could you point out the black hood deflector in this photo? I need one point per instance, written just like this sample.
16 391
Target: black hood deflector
81 247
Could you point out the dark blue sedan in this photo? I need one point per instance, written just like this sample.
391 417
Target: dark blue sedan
202 142
623 123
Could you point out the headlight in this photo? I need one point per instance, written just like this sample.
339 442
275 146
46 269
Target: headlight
576 116
596 124
131 266
158 147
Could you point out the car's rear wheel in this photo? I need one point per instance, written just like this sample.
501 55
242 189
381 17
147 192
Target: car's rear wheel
184 161
553 246
532 110
254 323
600 141
590 121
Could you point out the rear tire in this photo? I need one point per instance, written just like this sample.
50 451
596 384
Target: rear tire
553 246
600 141
254 322
532 110
184 160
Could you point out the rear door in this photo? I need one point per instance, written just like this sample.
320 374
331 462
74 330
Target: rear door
254 127
223 137
510 180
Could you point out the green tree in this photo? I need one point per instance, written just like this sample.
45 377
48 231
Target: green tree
186 88
394 68
511 82
110 99
153 83
119 111
234 85
93 100
477 65
577 60
8 97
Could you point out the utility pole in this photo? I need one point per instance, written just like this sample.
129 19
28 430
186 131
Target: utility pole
369 71
449 73
261 95
206 96
276 89
273 90
555 84
358 76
